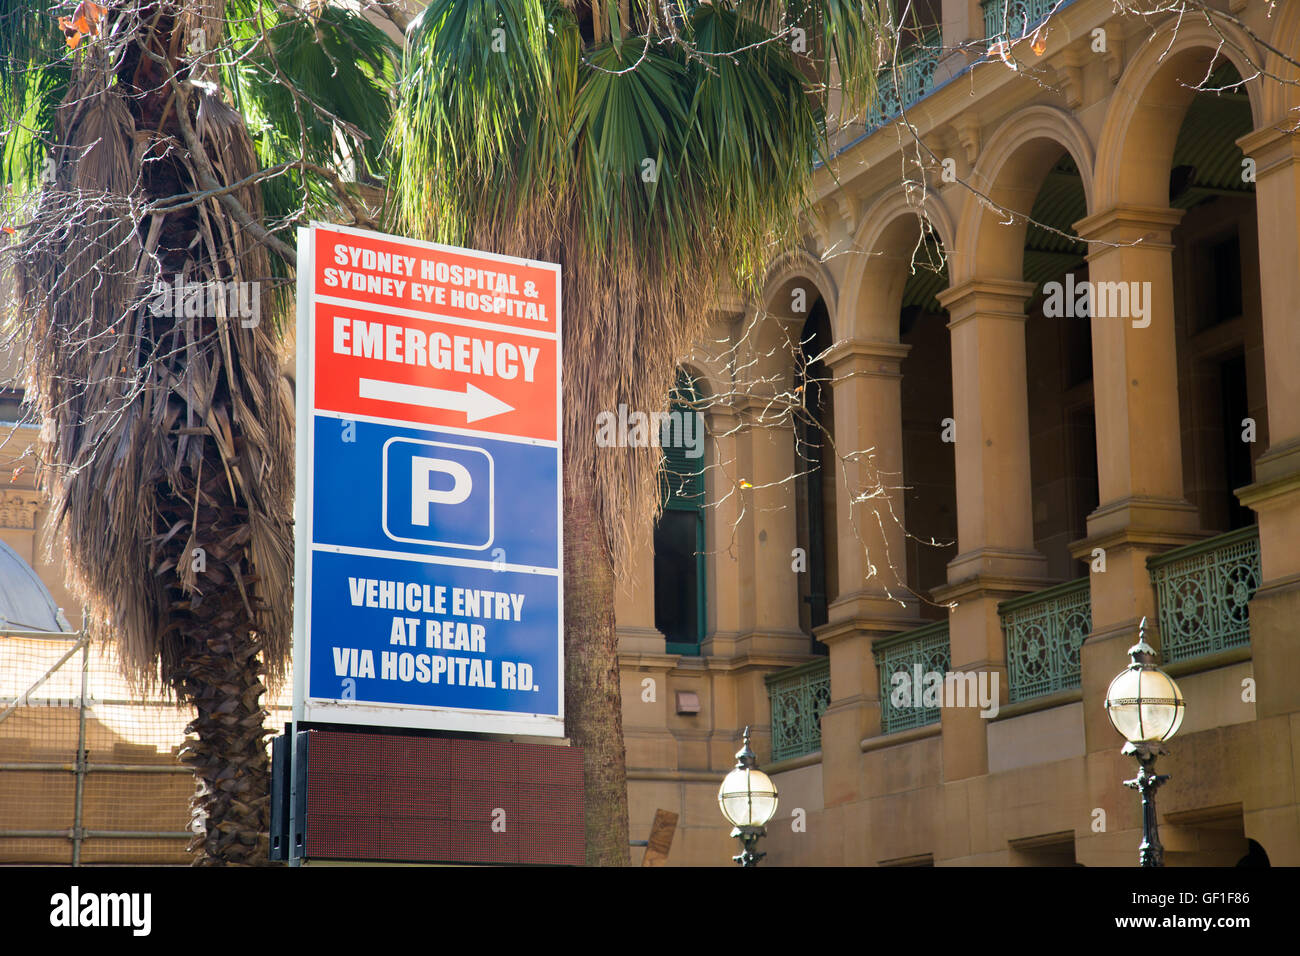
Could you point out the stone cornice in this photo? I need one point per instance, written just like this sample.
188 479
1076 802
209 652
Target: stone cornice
900 737
836 631
984 88
1270 147
1277 474
1146 539
643 661
987 298
989 585
794 763
853 357
1129 223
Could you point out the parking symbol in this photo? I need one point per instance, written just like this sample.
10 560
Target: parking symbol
438 494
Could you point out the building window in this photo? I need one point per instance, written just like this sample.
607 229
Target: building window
815 467
1220 277
11 407
1237 466
679 533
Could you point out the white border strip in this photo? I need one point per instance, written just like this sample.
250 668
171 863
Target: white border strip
405 313
435 718
433 559
425 427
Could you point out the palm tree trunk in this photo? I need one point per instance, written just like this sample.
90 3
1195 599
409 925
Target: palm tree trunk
220 674
593 701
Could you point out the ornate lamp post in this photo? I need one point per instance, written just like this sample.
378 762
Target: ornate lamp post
1146 706
748 801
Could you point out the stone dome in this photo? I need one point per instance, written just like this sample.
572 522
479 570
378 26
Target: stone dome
25 602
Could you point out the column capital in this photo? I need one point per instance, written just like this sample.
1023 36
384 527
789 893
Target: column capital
1277 479
991 298
870 610
1270 148
993 571
722 418
757 409
1152 225
853 357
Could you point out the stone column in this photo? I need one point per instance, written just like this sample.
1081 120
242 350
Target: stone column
872 557
767 621
1275 494
634 601
723 540
1139 461
996 558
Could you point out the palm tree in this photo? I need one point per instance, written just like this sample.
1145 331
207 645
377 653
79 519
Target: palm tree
169 438
658 151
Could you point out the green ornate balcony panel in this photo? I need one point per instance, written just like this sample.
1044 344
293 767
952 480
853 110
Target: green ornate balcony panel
1044 632
798 696
926 647
1013 19
899 89
1202 593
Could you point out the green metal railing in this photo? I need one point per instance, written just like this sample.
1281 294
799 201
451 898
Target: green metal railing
903 87
1202 594
799 696
1013 19
1044 632
914 654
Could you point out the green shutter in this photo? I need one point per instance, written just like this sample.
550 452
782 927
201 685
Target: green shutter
682 478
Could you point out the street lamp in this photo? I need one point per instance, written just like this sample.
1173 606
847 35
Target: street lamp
748 801
1146 706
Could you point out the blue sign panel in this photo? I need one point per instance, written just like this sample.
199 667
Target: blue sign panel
408 633
452 481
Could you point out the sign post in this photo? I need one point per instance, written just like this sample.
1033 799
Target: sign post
428 585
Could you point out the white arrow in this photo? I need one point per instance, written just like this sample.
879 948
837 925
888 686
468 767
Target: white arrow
474 402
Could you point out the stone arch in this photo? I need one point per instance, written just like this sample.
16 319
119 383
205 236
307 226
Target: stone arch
1136 147
1010 171
790 268
770 333
703 373
875 280
1279 95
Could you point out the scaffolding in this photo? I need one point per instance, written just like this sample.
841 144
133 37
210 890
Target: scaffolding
89 771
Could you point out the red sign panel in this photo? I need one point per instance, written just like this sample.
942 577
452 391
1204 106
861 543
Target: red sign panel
430 335
429 372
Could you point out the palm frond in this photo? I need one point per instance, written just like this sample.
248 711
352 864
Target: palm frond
632 128
34 72
847 40
481 125
314 85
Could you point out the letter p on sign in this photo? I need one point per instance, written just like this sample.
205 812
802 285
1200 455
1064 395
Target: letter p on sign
423 494
438 494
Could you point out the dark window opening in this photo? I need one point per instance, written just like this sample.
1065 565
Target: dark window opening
1078 346
677 578
679 533
11 406
1084 491
814 463
1221 265
1236 457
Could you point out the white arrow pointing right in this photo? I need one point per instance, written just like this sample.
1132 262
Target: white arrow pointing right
474 402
